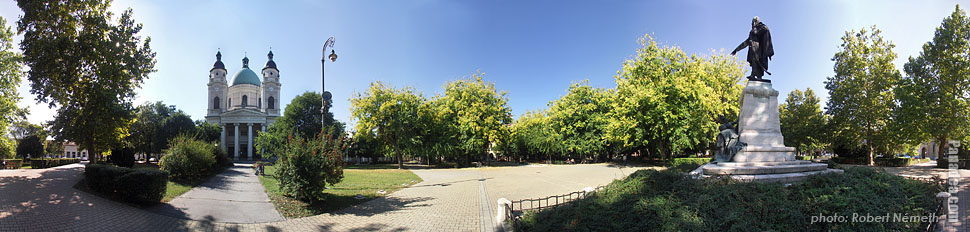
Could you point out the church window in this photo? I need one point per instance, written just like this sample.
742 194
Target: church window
245 100
270 103
215 103
259 103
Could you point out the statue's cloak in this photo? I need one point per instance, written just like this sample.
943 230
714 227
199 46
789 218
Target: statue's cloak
760 49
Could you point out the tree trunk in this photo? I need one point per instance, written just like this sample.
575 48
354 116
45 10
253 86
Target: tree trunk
872 161
397 153
941 144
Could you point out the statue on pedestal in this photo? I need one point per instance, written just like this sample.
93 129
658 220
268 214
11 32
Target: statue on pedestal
759 47
728 143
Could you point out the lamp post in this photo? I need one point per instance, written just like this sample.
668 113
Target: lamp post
323 79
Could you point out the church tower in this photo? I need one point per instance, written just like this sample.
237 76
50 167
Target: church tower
217 88
271 87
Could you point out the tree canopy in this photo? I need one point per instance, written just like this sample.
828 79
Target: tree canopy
861 96
301 118
802 121
388 115
935 95
11 72
667 102
86 64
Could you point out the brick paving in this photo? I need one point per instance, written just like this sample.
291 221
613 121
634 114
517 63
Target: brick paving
447 200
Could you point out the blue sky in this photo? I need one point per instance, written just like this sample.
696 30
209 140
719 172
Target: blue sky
532 49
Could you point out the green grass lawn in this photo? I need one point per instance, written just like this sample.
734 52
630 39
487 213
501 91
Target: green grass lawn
365 180
175 188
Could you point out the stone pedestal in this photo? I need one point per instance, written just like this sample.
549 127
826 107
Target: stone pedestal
759 126
765 158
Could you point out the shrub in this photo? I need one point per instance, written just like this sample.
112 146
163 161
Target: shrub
123 157
687 164
306 168
51 162
187 157
649 200
137 186
222 160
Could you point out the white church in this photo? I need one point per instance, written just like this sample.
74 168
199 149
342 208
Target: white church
245 107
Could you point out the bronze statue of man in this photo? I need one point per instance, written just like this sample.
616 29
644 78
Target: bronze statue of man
759 49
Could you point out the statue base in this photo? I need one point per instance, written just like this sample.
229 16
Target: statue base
765 158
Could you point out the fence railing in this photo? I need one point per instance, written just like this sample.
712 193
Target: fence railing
941 202
515 209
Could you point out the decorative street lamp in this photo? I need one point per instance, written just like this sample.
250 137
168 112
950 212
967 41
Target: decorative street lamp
326 95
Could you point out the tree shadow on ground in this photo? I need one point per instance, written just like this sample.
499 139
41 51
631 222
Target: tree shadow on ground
443 184
383 205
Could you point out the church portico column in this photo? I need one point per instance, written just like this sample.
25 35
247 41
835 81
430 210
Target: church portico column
235 149
249 146
222 137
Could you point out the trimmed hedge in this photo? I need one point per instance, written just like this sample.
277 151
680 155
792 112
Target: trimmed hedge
649 200
38 163
687 164
898 161
138 186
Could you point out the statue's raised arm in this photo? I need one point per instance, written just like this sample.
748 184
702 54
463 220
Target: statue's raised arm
760 49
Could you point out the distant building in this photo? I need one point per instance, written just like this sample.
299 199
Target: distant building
929 149
245 107
71 151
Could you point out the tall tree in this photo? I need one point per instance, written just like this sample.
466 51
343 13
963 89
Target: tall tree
802 121
11 71
580 118
175 125
935 96
480 112
387 115
209 132
87 65
861 91
667 102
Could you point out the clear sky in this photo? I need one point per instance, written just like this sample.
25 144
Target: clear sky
532 49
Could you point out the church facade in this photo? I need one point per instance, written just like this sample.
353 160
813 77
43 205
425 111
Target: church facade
244 106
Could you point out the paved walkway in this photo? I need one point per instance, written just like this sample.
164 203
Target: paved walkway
235 195
447 200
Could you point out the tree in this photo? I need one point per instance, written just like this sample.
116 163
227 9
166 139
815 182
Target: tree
387 115
861 91
32 146
176 124
480 113
535 135
11 71
667 102
208 132
146 130
935 96
580 118
802 121
92 73
301 118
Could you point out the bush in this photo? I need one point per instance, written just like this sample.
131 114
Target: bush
222 160
649 200
123 157
898 161
189 158
138 186
51 162
687 164
306 168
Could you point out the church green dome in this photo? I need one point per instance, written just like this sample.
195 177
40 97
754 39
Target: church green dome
245 76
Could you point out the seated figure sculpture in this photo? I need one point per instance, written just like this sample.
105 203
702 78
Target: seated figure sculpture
727 142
